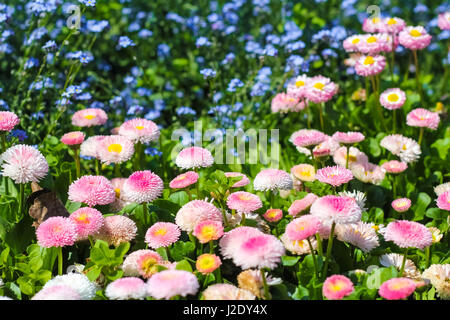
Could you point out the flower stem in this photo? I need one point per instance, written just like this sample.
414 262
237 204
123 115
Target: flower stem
77 162
402 269
91 241
266 287
21 197
421 135
60 261
316 267
321 105
348 155
427 256
146 220
394 120
211 247
416 64
330 245
313 159
319 245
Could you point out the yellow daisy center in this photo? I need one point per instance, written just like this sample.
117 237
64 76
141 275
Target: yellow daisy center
299 83
115 147
371 39
351 158
206 262
139 127
57 229
369 60
83 218
272 214
355 41
208 232
301 244
244 197
160 232
89 116
391 21
393 97
439 106
117 190
404 147
319 85
415 33
148 265
376 20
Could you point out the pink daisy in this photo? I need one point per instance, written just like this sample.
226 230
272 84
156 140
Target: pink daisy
207 263
57 292
443 201
73 138
88 221
302 228
360 234
397 288
241 183
406 148
92 190
8 120
147 263
194 157
307 137
170 283
320 89
56 232
184 180
336 209
423 118
120 201
393 98
250 248
115 149
348 137
91 146
208 230
372 25
301 205
368 172
140 130
126 288
23 164
273 215
162 234
89 117
225 291
116 230
337 287
401 205
351 43
370 65
355 156
130 265
272 179
194 212
394 25
335 175
244 202
372 44
325 148
304 172
143 186
394 166
414 38
297 87
443 20
407 234
284 103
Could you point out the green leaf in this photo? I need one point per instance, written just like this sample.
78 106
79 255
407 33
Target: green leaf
301 293
25 286
436 213
380 275
12 290
121 250
289 261
421 205
73 206
170 206
181 249
184 265
180 198
94 273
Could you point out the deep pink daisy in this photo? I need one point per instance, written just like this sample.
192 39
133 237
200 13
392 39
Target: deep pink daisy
89 117
335 175
244 202
394 166
401 205
143 186
336 209
88 221
8 120
139 130
73 138
162 234
56 232
397 288
423 118
443 201
301 205
408 234
303 227
337 287
241 183
184 180
348 137
194 157
92 190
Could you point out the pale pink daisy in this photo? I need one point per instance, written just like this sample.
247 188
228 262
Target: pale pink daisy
225 291
394 25
92 190
284 103
89 117
368 173
302 228
57 292
335 175
162 234
56 232
184 180
336 209
360 234
337 287
241 183
372 24
74 138
443 201
194 212
423 118
194 157
120 202
126 288
301 205
440 189
170 283
296 87
304 172
23 164
130 266
348 137
370 65
393 98
307 137
207 263
77 281
414 38
407 234
142 187
244 202
372 44
208 230
443 20
272 179
320 89
397 288
298 247
351 43
439 276
91 146
8 120
250 248
273 215
147 264
325 148
115 149
406 148
394 166
355 156
88 221
401 205
116 230
140 130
